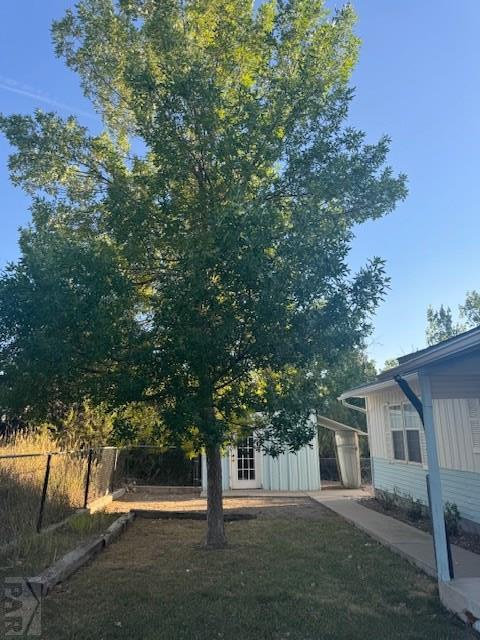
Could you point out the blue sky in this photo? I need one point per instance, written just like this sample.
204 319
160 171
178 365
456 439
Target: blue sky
417 80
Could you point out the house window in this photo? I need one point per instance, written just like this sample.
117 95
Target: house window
398 445
405 426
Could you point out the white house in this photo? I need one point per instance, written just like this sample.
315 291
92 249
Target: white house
449 373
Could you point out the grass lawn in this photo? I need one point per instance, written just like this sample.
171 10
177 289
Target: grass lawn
295 572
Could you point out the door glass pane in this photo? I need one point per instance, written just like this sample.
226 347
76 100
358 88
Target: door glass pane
413 444
398 445
246 459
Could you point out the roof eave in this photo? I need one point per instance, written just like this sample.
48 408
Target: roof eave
409 369
364 390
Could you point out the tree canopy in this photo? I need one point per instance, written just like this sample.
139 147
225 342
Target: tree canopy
441 324
194 255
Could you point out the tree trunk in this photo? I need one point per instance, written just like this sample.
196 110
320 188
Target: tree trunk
215 524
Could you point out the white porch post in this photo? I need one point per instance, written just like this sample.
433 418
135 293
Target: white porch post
436 502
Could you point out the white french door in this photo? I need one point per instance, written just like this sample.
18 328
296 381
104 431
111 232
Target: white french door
245 463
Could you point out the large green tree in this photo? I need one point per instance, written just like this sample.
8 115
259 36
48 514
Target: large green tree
219 204
440 325
349 370
470 310
440 322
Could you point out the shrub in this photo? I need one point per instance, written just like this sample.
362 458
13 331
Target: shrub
452 518
414 509
82 424
388 500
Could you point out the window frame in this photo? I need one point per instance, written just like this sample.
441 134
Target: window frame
403 429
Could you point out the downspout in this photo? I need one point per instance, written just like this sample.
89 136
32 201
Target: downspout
424 409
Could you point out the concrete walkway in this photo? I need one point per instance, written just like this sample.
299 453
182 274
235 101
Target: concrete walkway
409 542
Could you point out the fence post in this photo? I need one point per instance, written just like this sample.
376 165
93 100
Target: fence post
44 493
113 474
87 480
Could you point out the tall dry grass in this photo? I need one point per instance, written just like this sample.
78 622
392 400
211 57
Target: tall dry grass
21 482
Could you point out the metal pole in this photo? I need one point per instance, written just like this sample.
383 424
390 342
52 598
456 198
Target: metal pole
87 480
436 503
449 549
44 493
424 409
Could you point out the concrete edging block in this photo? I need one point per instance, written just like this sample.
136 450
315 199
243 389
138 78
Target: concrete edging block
166 490
99 503
116 529
73 560
67 565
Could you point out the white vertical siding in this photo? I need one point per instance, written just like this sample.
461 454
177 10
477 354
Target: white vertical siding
455 436
292 471
378 423
287 472
454 427
225 472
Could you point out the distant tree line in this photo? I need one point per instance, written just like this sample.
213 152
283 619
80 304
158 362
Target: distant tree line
441 324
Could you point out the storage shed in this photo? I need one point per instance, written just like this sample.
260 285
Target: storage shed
243 467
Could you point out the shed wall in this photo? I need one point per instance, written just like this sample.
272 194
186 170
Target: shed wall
292 471
288 472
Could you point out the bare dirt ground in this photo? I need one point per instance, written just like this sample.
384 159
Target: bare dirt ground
264 507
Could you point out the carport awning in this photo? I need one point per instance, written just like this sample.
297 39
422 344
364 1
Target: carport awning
333 425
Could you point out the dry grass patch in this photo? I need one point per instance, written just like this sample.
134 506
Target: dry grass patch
22 477
38 551
21 481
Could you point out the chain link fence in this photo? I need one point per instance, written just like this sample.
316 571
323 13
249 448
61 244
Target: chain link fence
41 489
157 466
21 479
366 470
329 471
